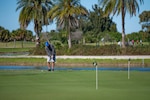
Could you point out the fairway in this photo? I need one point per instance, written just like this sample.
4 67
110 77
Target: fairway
73 85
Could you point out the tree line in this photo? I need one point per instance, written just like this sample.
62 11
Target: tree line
70 16
15 35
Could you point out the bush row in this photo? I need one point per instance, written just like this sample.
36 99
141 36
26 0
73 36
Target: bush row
95 50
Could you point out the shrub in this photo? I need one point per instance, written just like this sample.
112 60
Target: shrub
95 50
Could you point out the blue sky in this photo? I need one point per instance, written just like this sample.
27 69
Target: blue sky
9 16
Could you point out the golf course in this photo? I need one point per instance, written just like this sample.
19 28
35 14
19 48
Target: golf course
74 85
39 84
75 50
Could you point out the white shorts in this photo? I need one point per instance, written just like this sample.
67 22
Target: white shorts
50 59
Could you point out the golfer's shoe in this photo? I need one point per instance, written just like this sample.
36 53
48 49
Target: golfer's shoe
49 69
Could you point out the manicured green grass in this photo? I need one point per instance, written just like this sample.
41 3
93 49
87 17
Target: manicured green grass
73 85
34 60
42 61
22 60
112 61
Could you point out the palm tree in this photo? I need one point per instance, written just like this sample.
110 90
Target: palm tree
67 13
14 37
5 34
121 6
36 11
21 34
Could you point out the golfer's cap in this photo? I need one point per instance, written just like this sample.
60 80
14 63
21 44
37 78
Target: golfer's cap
46 44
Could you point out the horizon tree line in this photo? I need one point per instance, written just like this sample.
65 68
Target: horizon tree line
67 13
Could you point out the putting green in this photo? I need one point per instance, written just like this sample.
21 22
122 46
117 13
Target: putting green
74 85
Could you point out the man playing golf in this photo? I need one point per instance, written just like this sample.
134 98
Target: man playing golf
50 50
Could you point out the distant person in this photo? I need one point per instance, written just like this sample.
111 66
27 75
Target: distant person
50 50
141 42
119 43
132 42
102 40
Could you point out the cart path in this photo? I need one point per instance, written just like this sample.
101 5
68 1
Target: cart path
85 57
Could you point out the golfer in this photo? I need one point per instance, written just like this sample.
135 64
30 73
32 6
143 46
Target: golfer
50 50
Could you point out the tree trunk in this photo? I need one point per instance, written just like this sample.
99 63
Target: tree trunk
22 43
69 35
69 40
123 26
14 43
37 39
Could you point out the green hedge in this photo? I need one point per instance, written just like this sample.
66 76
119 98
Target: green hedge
96 50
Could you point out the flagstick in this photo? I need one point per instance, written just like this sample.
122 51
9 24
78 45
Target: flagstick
129 68
95 65
96 78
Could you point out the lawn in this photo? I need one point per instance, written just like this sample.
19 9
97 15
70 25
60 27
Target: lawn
74 62
73 85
